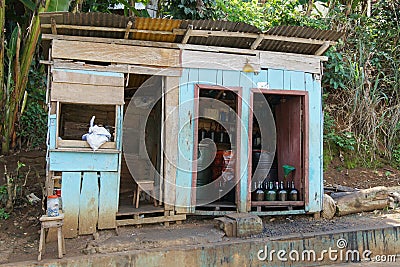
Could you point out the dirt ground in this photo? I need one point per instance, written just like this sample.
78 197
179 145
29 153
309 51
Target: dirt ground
19 234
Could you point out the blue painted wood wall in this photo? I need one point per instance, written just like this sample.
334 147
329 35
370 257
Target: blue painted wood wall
278 80
90 180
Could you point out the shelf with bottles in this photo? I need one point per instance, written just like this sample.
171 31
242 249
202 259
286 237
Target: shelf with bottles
275 194
216 132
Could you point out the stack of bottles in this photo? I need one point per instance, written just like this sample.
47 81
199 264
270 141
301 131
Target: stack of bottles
275 191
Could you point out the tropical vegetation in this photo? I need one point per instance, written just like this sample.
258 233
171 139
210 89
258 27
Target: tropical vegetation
361 78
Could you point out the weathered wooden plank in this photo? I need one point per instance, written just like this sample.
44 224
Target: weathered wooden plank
246 82
287 81
297 80
185 141
287 61
120 68
223 61
230 78
219 77
82 161
52 130
115 53
207 76
275 79
88 77
261 78
108 200
119 126
88 204
315 146
171 140
158 219
70 188
80 144
87 94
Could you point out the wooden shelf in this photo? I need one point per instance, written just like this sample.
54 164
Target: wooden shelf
277 203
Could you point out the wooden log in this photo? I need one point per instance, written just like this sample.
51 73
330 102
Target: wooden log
328 208
362 200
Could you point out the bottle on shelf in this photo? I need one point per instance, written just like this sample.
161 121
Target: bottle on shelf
270 194
259 192
220 135
293 193
256 140
202 133
211 133
282 193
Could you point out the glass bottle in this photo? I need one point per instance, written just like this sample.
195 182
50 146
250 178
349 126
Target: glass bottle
293 193
259 192
211 133
282 193
270 194
202 134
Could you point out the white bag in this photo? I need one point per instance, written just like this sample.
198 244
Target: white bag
97 136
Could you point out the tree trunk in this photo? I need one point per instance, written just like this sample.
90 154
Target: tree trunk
2 22
362 200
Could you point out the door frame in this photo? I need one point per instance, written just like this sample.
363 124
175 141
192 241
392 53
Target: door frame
305 141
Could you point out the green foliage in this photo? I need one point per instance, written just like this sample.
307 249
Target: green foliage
3 214
58 5
32 128
188 9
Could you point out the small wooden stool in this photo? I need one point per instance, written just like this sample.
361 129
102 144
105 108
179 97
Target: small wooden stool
143 186
51 222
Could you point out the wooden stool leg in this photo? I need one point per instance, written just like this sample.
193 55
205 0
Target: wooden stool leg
134 196
60 242
154 199
137 197
41 243
63 242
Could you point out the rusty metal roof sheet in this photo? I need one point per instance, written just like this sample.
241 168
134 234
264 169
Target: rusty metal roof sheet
172 31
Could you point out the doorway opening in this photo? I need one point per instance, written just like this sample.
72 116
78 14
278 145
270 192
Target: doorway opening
284 177
216 151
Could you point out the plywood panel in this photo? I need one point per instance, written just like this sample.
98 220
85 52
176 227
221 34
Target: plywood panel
83 161
70 188
275 79
108 200
222 61
88 203
88 77
185 140
115 53
286 61
289 142
87 94
315 146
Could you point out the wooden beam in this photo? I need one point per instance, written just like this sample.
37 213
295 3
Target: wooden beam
158 219
223 61
87 94
322 49
53 26
113 29
109 40
115 53
289 61
119 68
187 34
257 42
127 30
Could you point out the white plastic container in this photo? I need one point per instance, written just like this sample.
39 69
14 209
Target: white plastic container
53 206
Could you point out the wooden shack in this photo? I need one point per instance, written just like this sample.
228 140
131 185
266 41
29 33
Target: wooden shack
98 62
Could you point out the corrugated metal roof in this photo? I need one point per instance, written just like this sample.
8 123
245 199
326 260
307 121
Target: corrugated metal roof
172 31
